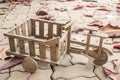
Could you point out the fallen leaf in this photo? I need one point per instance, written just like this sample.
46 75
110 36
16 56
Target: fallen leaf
11 63
89 13
111 74
3 53
111 30
77 7
61 9
96 23
118 10
43 14
26 2
103 8
91 5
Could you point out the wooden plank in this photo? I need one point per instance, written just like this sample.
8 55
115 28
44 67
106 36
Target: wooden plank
41 29
12 44
17 30
21 46
42 51
50 30
100 46
88 44
24 29
38 59
49 21
59 30
29 27
68 38
31 48
33 27
53 53
26 38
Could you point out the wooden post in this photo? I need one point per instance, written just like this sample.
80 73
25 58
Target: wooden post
42 51
41 29
88 43
53 53
100 46
24 29
50 30
31 48
59 30
12 44
21 46
29 28
33 27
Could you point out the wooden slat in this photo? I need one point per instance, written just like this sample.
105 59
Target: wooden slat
17 30
42 51
26 38
100 46
88 44
21 46
24 29
31 48
41 29
38 59
50 30
12 44
68 38
59 30
33 27
29 27
53 53
49 21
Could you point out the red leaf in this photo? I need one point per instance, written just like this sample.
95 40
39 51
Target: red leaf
118 10
77 7
11 63
96 23
103 8
26 3
111 74
116 46
89 13
61 9
91 5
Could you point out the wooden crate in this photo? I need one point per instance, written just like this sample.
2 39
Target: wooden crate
44 40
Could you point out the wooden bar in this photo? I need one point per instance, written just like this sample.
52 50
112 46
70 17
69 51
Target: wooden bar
12 44
29 27
38 59
17 30
100 46
50 30
24 29
41 29
31 48
33 27
88 43
59 30
26 38
53 53
49 21
68 38
21 46
42 51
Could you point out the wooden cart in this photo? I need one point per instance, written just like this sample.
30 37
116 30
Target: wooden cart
46 41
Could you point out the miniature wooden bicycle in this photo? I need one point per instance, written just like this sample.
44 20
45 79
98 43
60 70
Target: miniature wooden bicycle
99 54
